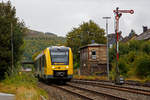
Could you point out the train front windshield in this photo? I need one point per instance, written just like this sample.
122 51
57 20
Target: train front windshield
59 57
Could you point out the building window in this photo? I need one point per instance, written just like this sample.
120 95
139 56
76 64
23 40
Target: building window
93 54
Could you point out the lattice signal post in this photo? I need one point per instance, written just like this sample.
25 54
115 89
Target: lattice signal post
118 14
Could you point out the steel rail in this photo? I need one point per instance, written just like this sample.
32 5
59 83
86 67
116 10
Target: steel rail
98 93
85 94
116 87
72 92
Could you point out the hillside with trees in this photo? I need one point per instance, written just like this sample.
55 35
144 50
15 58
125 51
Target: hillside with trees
36 41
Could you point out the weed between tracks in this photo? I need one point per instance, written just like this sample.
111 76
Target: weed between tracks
90 77
146 80
24 86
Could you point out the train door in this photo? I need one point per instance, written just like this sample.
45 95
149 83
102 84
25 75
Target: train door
42 65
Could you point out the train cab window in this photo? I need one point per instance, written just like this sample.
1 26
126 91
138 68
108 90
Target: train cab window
93 54
59 57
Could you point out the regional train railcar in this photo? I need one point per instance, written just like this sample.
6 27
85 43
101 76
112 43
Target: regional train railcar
55 62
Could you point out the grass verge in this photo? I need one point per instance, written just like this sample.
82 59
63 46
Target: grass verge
24 86
145 80
90 77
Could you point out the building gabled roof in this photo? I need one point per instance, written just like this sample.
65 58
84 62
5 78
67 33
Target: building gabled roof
93 45
128 38
144 35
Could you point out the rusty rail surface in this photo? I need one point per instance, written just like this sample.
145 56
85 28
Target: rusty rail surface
85 94
128 82
116 87
110 96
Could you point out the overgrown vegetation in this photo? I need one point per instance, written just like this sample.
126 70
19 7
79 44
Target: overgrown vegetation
9 23
134 60
24 86
86 33
90 77
21 79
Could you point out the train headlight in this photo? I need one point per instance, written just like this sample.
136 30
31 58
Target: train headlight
67 67
53 67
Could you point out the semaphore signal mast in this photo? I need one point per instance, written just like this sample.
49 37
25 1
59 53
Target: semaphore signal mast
118 14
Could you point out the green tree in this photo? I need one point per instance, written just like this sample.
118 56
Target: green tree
34 44
134 59
7 19
146 47
83 35
142 64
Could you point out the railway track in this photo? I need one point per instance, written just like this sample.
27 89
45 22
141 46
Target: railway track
136 83
84 93
87 93
122 88
128 82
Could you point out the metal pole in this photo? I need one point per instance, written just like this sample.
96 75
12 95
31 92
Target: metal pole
117 45
107 45
12 48
118 14
107 49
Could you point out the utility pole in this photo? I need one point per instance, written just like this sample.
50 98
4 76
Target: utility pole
118 14
107 45
12 47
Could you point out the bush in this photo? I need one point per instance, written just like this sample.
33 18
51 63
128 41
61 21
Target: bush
134 60
146 47
123 67
76 65
123 48
142 64
135 45
24 86
131 56
21 79
112 54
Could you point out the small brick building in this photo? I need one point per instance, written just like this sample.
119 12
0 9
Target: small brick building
93 59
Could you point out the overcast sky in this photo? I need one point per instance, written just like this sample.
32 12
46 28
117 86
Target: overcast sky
60 16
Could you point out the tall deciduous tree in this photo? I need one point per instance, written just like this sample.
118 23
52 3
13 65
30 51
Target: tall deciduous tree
8 22
86 33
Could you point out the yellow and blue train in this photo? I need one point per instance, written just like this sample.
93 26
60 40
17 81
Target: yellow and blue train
54 62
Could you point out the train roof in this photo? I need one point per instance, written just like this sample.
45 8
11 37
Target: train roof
58 47
93 45
51 48
39 55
